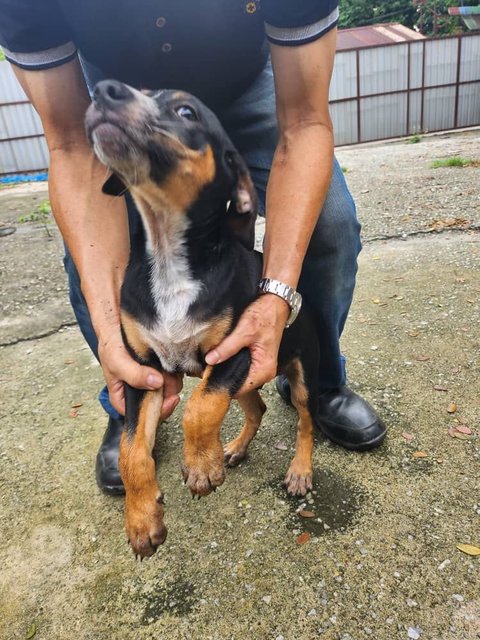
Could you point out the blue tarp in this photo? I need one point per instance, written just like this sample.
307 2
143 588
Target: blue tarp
24 177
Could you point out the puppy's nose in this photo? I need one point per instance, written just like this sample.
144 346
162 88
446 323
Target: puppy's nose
111 94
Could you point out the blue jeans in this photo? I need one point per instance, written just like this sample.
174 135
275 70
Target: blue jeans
329 269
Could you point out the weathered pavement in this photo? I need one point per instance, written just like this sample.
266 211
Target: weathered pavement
382 560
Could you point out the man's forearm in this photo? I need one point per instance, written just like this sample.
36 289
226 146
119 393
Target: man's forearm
298 184
95 228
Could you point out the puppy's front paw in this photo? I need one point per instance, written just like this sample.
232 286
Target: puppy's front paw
144 522
203 471
234 452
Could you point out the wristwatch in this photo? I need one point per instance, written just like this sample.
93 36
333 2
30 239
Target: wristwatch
291 297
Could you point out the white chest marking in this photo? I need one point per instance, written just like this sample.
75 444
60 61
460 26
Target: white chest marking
175 336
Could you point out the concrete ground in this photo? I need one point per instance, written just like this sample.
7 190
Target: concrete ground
382 559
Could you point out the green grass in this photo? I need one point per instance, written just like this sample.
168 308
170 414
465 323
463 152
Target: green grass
454 161
414 139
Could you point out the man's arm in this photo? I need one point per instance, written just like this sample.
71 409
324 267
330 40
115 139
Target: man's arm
93 225
298 184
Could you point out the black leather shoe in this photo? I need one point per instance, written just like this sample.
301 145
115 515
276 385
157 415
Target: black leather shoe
344 417
106 467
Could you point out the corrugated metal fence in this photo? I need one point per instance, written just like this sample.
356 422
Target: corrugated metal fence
377 93
405 88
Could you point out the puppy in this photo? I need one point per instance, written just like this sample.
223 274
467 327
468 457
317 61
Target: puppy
189 279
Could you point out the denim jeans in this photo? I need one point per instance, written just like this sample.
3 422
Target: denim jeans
329 269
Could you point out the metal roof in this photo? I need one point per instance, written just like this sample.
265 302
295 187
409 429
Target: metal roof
375 35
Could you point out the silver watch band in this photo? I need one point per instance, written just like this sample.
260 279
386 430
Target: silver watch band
287 293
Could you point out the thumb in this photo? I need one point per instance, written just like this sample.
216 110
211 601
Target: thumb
142 377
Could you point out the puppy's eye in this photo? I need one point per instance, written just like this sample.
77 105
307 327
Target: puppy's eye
184 111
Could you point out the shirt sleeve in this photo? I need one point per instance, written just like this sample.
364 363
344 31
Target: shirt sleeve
34 34
296 22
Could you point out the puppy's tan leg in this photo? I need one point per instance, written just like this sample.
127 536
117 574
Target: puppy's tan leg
299 475
254 408
202 465
143 499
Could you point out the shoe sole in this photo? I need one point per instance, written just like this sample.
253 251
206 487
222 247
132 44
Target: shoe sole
360 446
113 490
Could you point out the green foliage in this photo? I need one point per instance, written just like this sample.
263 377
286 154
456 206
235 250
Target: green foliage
454 161
415 14
414 139
40 214
2 55
344 169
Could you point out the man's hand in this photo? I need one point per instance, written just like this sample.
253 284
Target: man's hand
260 328
119 367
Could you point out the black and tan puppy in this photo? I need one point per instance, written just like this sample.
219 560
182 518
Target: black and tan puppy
187 283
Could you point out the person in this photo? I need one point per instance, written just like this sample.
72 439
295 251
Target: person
275 109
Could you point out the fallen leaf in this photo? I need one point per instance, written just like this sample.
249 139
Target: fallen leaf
452 432
459 435
469 549
462 420
437 387
306 514
76 405
68 361
32 631
462 428
452 407
408 436
73 413
419 454
303 538
422 358
281 446
412 333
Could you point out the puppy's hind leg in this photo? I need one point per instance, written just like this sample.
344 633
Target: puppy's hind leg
254 408
298 480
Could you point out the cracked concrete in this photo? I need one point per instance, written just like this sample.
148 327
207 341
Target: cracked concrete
382 560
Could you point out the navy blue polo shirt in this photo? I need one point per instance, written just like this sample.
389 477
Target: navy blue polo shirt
212 48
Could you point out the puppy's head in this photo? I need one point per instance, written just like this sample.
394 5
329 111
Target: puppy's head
171 151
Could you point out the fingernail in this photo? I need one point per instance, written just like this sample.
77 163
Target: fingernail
212 357
154 381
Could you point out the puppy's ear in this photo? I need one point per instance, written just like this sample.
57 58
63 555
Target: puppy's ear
242 211
114 186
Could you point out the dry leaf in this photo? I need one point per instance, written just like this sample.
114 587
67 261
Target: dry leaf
32 631
437 387
422 358
281 446
303 538
469 549
462 428
452 407
462 420
412 333
68 361
306 514
76 405
452 432
408 436
419 454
